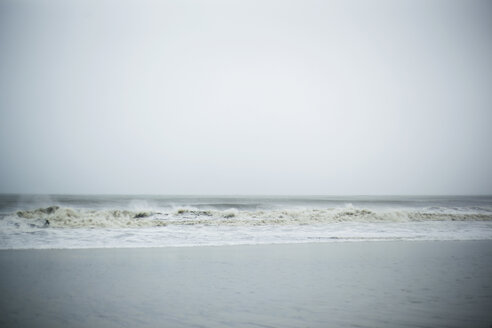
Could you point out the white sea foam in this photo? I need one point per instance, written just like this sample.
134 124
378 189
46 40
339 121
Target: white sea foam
63 217
78 222
199 235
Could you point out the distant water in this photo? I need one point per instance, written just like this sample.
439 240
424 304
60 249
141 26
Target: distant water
93 221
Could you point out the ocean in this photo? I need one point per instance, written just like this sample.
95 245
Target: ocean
297 261
122 221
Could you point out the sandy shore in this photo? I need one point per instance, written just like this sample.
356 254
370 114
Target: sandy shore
368 284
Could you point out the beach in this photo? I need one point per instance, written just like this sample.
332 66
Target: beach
239 164
349 284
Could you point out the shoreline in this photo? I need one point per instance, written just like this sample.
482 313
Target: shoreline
330 240
370 284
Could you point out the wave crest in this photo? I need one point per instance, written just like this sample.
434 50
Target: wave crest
65 217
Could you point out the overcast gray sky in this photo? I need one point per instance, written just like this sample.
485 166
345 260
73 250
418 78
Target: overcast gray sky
246 97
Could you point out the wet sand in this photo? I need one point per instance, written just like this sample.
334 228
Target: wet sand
359 284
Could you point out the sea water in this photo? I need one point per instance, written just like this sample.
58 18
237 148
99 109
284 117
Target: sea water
97 221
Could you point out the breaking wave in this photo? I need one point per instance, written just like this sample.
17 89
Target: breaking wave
66 217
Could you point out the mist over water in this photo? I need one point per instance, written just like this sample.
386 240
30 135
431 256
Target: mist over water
218 97
12 202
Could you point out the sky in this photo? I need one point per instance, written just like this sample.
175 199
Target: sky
246 97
